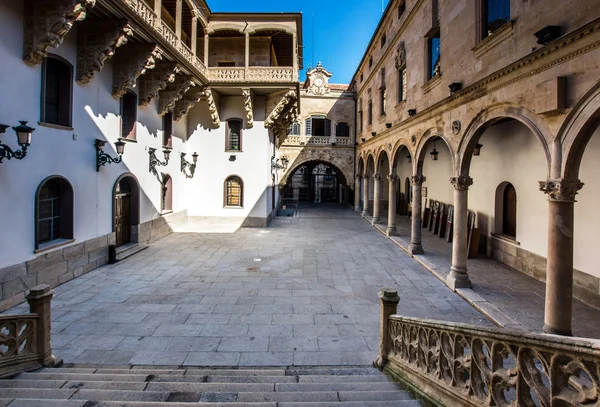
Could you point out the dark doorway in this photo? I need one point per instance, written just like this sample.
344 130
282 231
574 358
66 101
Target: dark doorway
315 182
509 215
125 209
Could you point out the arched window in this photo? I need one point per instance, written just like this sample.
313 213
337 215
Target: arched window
294 129
234 189
129 106
319 126
54 212
342 130
509 211
233 129
57 91
167 194
495 14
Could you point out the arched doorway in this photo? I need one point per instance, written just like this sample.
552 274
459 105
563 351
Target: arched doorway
317 182
126 213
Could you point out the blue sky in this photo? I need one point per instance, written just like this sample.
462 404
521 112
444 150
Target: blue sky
343 28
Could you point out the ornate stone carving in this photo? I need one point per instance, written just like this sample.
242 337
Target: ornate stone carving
456 126
130 62
417 180
46 24
247 93
276 113
318 80
561 190
461 183
183 106
400 57
155 80
172 93
97 42
212 107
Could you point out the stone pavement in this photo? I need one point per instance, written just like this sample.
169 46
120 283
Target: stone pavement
302 292
516 294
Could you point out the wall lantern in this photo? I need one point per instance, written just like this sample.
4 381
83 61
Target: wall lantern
23 138
455 87
363 139
434 153
103 159
477 149
186 164
408 159
374 133
548 34
388 125
412 112
155 162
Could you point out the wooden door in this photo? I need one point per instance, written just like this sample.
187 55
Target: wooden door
509 216
123 218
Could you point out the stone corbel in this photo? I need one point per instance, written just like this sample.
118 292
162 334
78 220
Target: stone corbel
183 106
276 113
155 80
247 93
46 24
131 62
172 93
97 41
212 107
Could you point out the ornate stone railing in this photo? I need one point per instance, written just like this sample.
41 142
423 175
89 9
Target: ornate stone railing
465 365
307 140
252 74
25 339
342 141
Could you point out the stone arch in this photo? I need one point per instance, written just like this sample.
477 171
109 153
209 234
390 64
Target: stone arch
343 170
488 117
421 150
360 167
575 133
225 25
382 151
253 28
400 144
370 162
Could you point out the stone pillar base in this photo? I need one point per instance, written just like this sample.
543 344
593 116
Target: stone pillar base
458 278
416 248
376 220
391 231
552 331
357 208
365 213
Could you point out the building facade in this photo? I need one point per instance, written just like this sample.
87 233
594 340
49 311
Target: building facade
194 100
489 109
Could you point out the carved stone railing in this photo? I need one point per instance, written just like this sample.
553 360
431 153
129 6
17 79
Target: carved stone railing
25 339
343 141
455 364
253 74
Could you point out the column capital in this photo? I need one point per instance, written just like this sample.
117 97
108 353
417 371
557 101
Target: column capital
461 183
365 176
417 180
392 177
560 189
377 177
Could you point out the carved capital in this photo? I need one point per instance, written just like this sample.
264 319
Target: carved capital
365 177
155 80
46 24
172 93
417 180
97 42
183 106
561 190
461 183
248 107
377 177
131 62
392 177
212 107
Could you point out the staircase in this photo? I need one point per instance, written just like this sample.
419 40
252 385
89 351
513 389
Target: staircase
139 386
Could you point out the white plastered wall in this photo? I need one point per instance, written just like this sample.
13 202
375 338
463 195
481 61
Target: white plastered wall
438 174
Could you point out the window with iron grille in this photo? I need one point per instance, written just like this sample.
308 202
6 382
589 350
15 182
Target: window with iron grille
49 212
57 91
233 192
294 129
495 14
402 84
319 126
234 135
370 113
382 93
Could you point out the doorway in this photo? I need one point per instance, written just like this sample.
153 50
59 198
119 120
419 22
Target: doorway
125 209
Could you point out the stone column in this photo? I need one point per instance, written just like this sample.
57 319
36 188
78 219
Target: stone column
194 34
158 8
39 303
389 300
377 198
178 17
247 48
458 277
391 227
415 226
365 207
559 274
295 53
357 193
206 50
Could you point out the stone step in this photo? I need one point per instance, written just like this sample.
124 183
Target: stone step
336 371
343 379
82 403
395 403
167 371
224 379
84 377
211 387
129 249
324 396
357 386
31 384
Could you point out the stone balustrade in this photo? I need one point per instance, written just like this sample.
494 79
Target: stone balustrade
316 140
269 74
25 339
466 365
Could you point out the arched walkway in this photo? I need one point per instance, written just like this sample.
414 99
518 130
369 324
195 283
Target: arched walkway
317 182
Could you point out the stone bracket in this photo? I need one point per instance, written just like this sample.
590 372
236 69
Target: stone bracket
247 93
172 93
183 106
130 63
279 109
212 107
46 24
97 41
155 80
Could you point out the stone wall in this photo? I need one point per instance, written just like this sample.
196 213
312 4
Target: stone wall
234 50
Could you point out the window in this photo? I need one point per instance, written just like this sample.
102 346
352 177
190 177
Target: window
294 129
167 194
402 84
401 9
509 211
383 40
168 129
54 212
495 14
362 78
319 126
434 56
233 192
360 120
342 130
128 115
234 135
57 91
370 113
370 62
382 94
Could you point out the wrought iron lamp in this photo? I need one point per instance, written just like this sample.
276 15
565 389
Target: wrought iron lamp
186 164
103 159
155 162
477 149
434 153
23 138
275 163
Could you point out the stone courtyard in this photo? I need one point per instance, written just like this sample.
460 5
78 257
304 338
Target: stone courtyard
302 292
